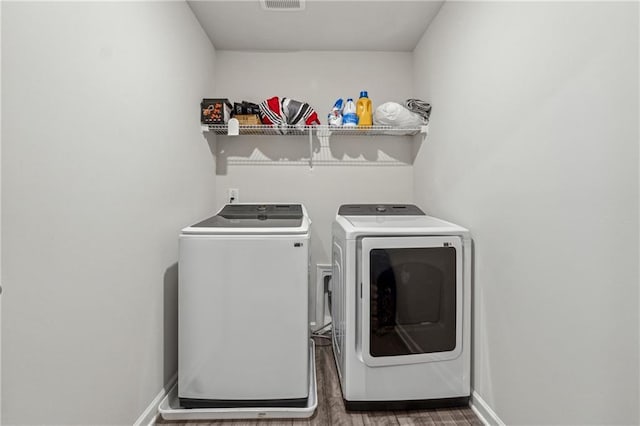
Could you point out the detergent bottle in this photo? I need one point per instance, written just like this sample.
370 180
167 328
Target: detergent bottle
335 116
363 109
349 116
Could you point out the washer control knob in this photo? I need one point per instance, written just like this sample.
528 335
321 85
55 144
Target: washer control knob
381 209
262 208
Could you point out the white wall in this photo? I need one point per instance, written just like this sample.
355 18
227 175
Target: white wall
103 162
0 225
534 147
347 169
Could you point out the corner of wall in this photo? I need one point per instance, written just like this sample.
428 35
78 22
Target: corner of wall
484 412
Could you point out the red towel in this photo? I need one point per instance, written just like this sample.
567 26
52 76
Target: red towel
274 111
271 113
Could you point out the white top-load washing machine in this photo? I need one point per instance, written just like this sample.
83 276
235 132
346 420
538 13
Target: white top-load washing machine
243 322
401 297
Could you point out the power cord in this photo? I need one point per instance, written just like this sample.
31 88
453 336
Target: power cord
322 328
319 334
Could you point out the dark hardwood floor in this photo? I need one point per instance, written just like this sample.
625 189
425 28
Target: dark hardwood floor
331 409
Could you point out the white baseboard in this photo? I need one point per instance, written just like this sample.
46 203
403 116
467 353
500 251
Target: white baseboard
479 406
150 414
484 412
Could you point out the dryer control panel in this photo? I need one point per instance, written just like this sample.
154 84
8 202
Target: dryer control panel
380 210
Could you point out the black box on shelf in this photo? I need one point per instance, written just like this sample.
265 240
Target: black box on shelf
215 111
244 107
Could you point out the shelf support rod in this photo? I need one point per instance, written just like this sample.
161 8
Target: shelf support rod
311 148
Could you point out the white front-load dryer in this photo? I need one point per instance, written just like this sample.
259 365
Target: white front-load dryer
401 297
243 312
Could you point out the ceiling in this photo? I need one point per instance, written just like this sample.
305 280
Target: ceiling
369 25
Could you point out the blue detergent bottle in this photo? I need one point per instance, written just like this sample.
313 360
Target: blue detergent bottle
349 116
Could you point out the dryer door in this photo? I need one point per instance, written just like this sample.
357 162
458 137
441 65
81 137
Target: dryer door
411 298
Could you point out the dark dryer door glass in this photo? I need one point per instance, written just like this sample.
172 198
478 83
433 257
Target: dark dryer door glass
413 297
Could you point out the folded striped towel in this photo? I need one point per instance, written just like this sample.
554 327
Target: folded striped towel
271 112
422 108
299 113
275 111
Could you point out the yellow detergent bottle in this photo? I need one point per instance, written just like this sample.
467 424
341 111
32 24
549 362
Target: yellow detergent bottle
363 109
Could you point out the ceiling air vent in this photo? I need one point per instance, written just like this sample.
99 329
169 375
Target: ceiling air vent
284 5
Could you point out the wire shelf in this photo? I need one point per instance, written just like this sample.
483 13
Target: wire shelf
222 129
367 131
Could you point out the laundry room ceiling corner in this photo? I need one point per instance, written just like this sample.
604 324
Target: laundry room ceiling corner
363 25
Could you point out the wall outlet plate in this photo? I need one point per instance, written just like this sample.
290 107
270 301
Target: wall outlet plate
233 195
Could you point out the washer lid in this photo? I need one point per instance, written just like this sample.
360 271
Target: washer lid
254 218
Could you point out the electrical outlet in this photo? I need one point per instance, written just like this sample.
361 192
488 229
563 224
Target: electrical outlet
233 195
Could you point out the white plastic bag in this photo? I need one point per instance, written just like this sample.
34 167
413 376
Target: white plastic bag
395 115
